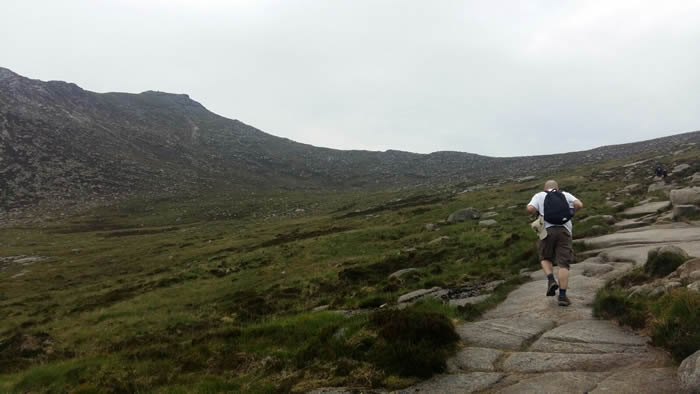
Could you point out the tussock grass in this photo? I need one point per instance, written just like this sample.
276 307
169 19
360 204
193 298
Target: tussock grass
662 264
672 319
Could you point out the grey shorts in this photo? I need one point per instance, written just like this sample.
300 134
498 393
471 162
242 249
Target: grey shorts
556 248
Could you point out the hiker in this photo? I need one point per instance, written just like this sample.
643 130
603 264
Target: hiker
660 172
554 209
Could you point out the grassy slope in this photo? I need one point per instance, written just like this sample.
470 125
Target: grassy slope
216 294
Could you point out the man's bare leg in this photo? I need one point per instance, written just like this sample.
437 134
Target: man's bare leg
547 267
563 278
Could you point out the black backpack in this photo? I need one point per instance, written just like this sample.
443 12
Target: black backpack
556 208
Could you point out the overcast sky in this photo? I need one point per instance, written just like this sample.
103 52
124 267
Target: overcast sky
499 78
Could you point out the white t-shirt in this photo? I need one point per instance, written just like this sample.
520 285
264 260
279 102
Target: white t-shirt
538 202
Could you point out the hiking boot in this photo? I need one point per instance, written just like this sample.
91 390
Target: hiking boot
552 287
564 300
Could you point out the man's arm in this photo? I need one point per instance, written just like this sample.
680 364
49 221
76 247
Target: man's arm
578 205
531 210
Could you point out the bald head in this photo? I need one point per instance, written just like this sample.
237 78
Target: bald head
551 184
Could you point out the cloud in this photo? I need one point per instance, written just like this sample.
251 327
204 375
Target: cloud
497 78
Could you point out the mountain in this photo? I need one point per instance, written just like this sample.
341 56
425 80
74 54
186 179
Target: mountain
60 144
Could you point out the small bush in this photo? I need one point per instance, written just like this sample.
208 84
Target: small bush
662 264
614 304
411 342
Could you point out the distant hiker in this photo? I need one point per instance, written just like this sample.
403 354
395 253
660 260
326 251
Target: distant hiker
555 209
660 172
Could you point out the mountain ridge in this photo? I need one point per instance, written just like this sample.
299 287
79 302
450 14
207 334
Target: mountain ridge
62 144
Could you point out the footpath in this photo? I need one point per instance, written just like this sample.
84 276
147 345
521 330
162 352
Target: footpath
529 344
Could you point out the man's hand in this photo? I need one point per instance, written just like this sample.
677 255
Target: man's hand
578 205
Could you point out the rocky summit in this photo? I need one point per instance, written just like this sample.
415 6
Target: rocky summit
61 145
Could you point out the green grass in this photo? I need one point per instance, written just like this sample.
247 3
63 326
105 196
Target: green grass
672 320
215 293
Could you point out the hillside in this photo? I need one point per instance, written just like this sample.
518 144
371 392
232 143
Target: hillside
153 296
61 145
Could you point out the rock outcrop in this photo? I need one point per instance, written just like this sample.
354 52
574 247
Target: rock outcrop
689 373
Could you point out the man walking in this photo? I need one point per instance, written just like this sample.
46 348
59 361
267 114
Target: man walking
554 247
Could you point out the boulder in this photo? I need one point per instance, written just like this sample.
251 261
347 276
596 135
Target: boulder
689 373
672 249
527 178
630 188
640 290
430 227
488 223
489 215
679 169
685 270
469 300
464 214
436 292
684 211
491 286
661 185
695 178
438 240
687 196
695 286
398 274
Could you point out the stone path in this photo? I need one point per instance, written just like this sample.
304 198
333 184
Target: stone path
529 344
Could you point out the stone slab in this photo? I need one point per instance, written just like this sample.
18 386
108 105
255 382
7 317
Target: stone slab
529 362
645 209
555 383
636 381
509 333
630 223
590 336
675 233
529 300
456 383
474 359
